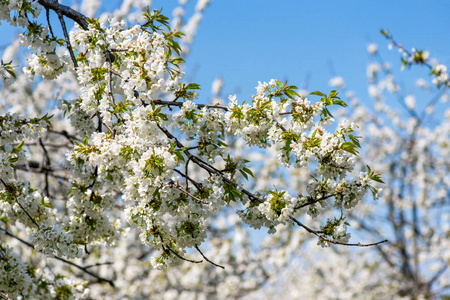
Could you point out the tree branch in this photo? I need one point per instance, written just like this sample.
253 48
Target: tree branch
330 240
65 11
11 191
66 36
198 200
84 269
181 257
214 264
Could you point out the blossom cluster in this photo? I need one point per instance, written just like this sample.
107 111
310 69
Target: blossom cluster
421 57
121 71
19 279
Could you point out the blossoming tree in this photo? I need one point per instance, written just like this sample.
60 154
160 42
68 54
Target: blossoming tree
409 143
112 166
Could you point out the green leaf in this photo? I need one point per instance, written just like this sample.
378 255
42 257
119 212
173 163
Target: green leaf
109 177
13 159
248 171
355 140
340 103
243 174
333 93
179 155
349 147
291 94
326 113
193 86
221 143
377 178
318 93
177 60
11 72
19 146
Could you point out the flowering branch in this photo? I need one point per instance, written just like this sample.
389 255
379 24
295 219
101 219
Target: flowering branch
12 192
173 184
125 155
439 71
83 269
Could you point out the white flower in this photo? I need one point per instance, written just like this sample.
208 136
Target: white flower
337 81
372 48
410 102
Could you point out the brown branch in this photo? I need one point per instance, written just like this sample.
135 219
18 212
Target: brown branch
11 192
99 264
65 11
198 200
84 269
31 167
214 264
68 136
181 257
320 236
314 201
66 36
197 185
46 163
204 165
180 104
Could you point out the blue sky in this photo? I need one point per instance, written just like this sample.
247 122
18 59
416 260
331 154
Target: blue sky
247 41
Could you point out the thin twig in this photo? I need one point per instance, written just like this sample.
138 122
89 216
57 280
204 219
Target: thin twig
210 169
11 192
214 264
99 264
114 72
181 257
314 201
180 104
198 186
84 269
66 36
46 163
186 170
68 136
34 167
47 13
330 240
173 184
65 11
53 145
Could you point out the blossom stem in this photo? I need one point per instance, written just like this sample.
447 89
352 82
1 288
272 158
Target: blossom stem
316 233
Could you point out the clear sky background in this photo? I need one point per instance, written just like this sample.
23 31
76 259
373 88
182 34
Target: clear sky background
247 41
